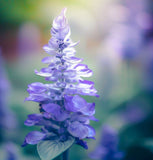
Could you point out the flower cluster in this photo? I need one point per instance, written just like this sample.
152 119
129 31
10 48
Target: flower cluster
108 146
63 112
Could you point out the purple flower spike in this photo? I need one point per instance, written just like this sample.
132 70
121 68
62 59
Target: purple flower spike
63 112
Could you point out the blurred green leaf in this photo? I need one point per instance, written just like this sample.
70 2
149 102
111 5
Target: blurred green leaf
50 149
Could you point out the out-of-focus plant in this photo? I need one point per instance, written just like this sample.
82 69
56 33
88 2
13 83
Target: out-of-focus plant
132 39
11 151
64 115
107 148
130 34
7 118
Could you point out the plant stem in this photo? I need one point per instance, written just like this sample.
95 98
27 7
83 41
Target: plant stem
65 155
60 157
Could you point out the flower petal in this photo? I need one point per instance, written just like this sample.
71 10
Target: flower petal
74 103
77 129
37 87
49 50
78 104
82 143
91 131
56 112
43 74
34 137
60 21
33 119
38 97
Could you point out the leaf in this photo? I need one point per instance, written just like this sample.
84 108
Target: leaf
50 149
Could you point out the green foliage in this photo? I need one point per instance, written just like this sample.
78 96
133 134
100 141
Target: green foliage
51 149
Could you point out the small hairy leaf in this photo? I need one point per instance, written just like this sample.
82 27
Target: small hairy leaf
50 149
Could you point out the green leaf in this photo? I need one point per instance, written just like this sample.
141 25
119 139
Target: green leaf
50 149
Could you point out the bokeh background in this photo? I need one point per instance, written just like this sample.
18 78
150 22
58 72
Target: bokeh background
116 41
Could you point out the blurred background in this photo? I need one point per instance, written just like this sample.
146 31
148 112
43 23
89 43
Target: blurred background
116 41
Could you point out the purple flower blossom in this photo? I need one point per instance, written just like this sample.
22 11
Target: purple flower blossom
63 112
108 146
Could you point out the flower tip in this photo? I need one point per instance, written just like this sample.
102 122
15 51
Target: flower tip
64 11
60 21
24 144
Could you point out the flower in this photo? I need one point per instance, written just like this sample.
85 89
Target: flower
63 112
108 146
